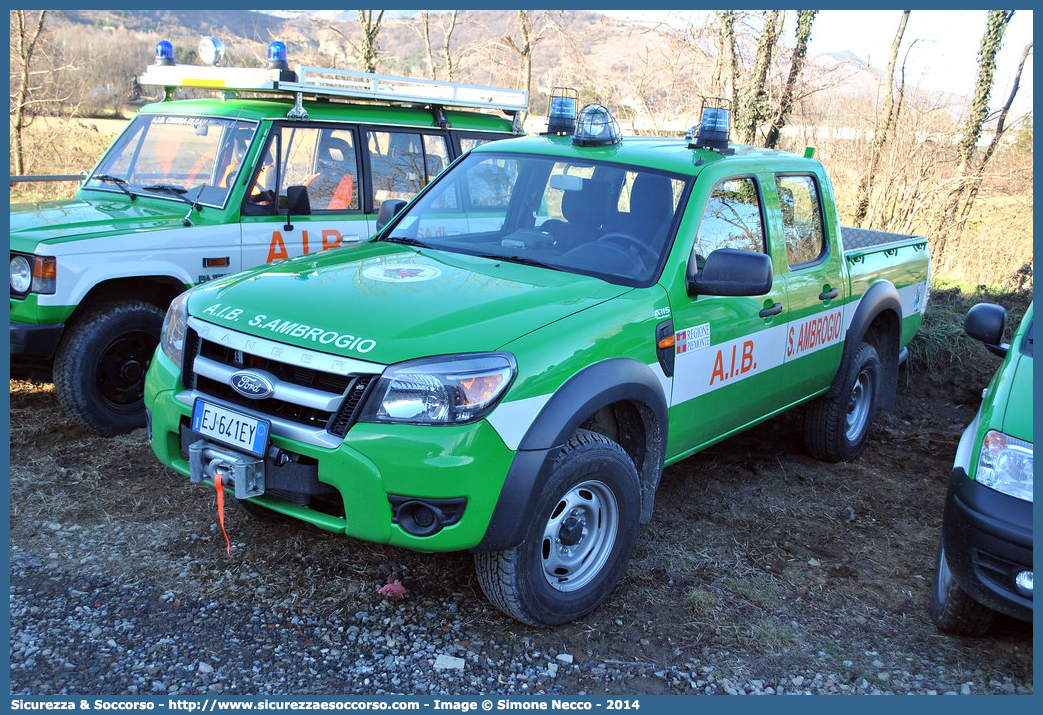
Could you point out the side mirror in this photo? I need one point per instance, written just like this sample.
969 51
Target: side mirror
729 271
297 202
985 322
388 209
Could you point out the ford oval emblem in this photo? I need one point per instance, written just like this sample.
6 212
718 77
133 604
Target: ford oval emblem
252 384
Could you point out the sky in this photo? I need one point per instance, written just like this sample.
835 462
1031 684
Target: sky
944 56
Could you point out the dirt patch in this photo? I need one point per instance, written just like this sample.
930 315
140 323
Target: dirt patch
759 559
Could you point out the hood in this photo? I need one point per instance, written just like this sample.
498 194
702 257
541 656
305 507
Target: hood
60 221
386 303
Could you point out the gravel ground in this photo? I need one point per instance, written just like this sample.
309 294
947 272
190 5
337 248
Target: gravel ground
72 634
763 571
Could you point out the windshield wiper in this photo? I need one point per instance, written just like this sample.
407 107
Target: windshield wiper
519 259
179 192
405 241
120 183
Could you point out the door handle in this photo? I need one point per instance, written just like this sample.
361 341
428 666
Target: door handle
773 310
829 294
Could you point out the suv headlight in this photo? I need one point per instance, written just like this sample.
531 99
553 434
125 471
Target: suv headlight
175 326
33 273
1005 464
453 389
21 274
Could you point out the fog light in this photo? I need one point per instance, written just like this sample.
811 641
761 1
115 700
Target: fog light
1024 583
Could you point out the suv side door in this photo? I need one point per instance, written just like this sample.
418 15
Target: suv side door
816 293
728 350
324 157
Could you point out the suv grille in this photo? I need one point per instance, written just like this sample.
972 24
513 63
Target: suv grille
318 400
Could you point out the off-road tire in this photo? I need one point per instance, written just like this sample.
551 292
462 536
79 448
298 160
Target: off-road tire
595 474
952 610
830 433
261 513
100 366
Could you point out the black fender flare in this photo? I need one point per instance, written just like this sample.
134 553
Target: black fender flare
881 297
583 394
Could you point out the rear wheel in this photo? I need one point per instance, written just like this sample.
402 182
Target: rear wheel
952 610
578 541
99 369
836 428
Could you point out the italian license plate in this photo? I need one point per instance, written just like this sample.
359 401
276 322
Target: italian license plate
231 428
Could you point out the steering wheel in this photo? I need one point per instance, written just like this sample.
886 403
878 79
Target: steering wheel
647 256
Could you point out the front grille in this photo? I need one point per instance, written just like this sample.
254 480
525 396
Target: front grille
309 384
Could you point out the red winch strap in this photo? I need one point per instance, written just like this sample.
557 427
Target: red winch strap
221 509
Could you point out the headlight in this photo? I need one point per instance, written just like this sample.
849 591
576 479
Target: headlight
1005 464
21 274
454 389
175 325
37 276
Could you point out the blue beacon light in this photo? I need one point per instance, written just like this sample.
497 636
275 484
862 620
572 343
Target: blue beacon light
164 53
277 56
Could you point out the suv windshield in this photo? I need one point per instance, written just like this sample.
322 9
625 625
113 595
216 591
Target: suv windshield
202 155
589 217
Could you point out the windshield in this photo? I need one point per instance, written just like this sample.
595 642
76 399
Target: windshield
201 155
595 218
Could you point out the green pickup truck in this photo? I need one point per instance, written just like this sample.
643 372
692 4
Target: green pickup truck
509 364
197 189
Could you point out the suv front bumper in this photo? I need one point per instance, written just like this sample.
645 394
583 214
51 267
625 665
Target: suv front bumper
988 542
35 342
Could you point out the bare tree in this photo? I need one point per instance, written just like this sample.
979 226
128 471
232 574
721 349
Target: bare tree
531 30
366 50
991 40
446 25
754 104
1001 120
884 129
805 18
26 38
727 18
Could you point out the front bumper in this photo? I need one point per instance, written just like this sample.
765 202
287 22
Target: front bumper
375 470
988 541
35 342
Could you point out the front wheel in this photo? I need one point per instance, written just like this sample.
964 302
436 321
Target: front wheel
836 428
579 538
952 610
99 369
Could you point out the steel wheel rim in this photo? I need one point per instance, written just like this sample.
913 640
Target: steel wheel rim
121 370
579 536
858 405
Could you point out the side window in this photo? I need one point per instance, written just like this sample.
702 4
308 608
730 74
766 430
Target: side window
397 167
731 219
323 159
801 219
436 155
469 143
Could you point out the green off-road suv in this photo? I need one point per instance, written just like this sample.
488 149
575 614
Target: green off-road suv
512 360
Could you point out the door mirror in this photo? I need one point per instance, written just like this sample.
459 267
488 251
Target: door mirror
985 322
297 202
387 211
729 271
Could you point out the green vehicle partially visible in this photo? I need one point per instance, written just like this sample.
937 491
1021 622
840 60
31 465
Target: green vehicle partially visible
510 363
984 561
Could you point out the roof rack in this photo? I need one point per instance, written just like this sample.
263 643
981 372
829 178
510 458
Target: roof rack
328 82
